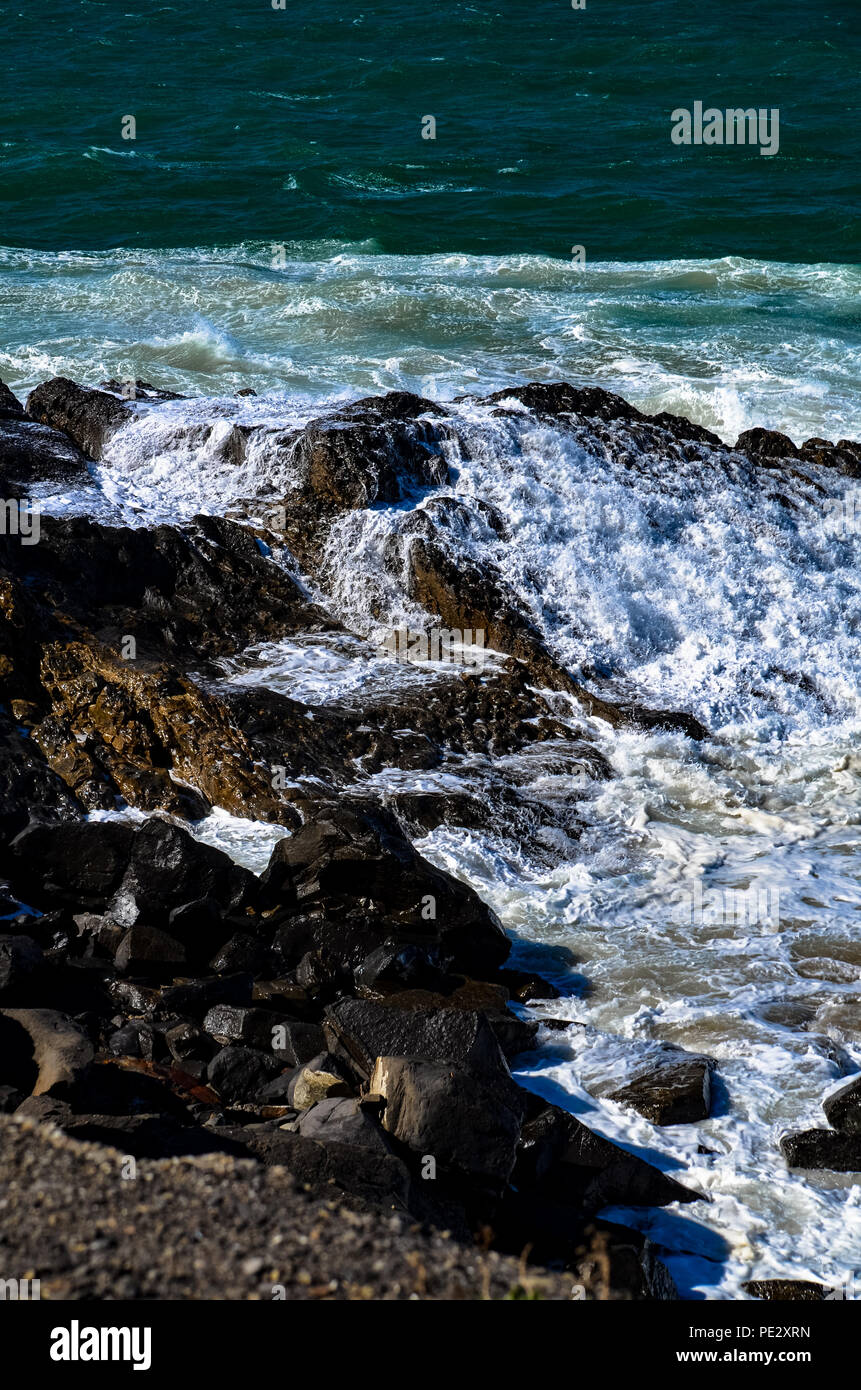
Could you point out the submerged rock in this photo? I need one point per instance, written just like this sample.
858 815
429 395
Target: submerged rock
843 1108
673 1092
823 1148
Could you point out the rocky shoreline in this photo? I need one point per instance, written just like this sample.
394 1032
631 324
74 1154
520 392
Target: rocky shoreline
347 1014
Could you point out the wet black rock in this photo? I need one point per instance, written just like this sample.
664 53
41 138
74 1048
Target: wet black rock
823 1148
80 864
358 1032
676 1091
786 1290
88 417
237 1073
148 951
466 1120
10 407
563 1160
843 1108
167 867
32 454
357 869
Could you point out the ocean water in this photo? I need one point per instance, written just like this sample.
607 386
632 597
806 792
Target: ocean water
552 126
712 900
279 224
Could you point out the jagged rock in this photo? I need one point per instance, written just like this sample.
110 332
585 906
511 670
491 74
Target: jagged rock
845 455
823 1148
60 1050
359 1032
156 738
77 865
319 1079
358 870
29 789
241 952
134 1039
340 1120
88 417
843 1108
468 1121
167 867
10 407
673 1092
560 1157
238 1073
31 454
148 951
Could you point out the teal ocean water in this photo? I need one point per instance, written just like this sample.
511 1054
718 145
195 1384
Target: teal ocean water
552 126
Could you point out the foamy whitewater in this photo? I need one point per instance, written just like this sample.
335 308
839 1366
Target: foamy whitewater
690 589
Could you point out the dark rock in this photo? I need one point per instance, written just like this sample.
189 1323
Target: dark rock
469 1121
767 445
167 868
241 952
555 398
188 1043
32 454
79 865
88 417
559 1156
673 1092
342 1121
10 407
523 985
786 1290
359 1032
195 997
289 1040
823 1148
238 1073
843 1108
148 951
103 933
134 1039
356 867
20 957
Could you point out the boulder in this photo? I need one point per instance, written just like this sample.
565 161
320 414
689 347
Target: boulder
562 1158
355 868
238 1073
32 455
823 1148
786 1290
78 865
88 417
359 1032
168 867
340 1120
466 1120
673 1092
148 951
843 1108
